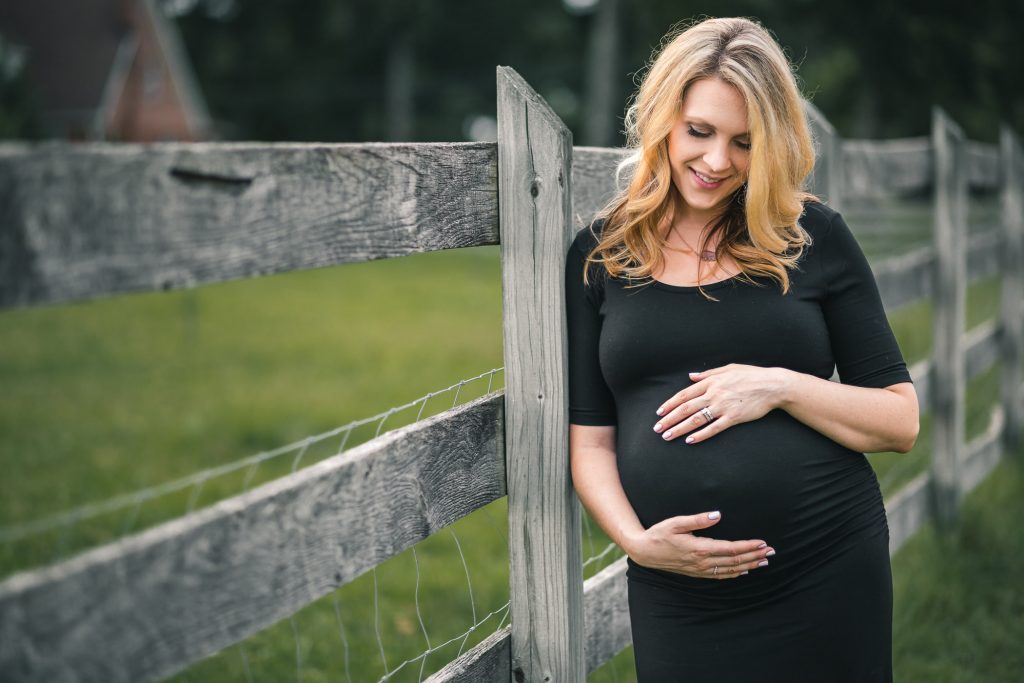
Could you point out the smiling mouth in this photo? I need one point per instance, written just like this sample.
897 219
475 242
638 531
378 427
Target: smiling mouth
706 180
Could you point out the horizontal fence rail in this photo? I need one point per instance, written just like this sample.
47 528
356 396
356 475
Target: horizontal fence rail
82 221
79 221
606 610
209 579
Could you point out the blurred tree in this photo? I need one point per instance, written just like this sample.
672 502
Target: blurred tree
19 108
416 70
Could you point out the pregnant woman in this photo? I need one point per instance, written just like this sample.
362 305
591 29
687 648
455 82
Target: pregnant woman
707 306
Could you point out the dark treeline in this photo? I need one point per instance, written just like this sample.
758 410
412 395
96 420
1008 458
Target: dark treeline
330 70
419 70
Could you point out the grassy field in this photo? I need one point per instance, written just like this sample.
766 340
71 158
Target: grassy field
105 397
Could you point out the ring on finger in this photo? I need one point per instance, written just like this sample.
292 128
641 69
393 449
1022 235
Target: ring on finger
706 412
715 573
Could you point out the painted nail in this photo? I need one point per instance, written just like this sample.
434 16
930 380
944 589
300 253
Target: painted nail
689 439
762 563
714 515
657 427
746 572
695 372
763 545
770 553
667 434
659 411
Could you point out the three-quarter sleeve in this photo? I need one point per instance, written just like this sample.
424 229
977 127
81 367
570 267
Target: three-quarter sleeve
863 344
590 400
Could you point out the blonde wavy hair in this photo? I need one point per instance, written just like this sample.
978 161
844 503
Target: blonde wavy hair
760 227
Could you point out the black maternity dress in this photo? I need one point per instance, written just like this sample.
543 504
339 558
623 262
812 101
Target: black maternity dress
822 610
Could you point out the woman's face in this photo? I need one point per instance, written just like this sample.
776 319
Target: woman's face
711 138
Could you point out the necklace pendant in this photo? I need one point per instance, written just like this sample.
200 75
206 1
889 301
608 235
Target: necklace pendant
707 255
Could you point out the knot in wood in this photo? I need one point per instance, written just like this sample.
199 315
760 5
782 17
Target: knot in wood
535 186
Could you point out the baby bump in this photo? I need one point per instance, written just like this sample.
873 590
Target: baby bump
756 473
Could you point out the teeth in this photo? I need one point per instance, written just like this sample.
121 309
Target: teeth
704 177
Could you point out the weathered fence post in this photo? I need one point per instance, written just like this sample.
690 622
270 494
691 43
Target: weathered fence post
545 548
827 179
950 285
1012 342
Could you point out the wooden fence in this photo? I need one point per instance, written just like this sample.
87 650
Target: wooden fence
177 215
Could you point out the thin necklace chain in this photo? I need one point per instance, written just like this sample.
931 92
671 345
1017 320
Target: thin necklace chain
706 255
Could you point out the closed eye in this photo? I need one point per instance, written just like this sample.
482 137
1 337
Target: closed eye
699 134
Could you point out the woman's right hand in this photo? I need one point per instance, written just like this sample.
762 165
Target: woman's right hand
670 545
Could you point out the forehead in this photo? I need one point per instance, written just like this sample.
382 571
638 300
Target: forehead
715 103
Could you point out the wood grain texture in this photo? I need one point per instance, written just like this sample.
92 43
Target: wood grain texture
545 548
887 168
905 278
607 614
908 510
148 606
593 180
1012 298
983 452
920 373
983 172
950 288
981 348
85 220
984 255
488 662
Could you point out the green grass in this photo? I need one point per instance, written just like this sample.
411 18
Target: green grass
105 397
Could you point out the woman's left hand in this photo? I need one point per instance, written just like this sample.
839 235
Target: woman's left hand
734 393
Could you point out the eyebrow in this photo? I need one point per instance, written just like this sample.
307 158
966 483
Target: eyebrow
697 119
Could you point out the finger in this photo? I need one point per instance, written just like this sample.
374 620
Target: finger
719 424
733 566
725 573
687 523
715 548
743 560
711 371
683 418
677 400
692 421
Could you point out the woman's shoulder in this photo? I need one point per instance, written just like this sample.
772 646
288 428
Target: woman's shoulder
588 236
817 218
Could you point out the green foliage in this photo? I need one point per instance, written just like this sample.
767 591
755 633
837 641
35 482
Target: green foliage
319 70
104 397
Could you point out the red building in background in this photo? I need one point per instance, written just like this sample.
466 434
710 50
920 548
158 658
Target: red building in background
106 70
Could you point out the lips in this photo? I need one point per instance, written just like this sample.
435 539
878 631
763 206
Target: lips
701 180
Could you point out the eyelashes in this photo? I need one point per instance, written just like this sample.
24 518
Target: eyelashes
698 134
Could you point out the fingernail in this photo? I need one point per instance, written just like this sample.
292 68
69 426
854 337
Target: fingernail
659 411
657 427
746 572
770 553
689 439
762 563
763 545
714 515
667 434
695 372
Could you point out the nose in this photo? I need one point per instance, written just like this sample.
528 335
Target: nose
717 158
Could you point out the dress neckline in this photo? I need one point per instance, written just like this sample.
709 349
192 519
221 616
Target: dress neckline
687 288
